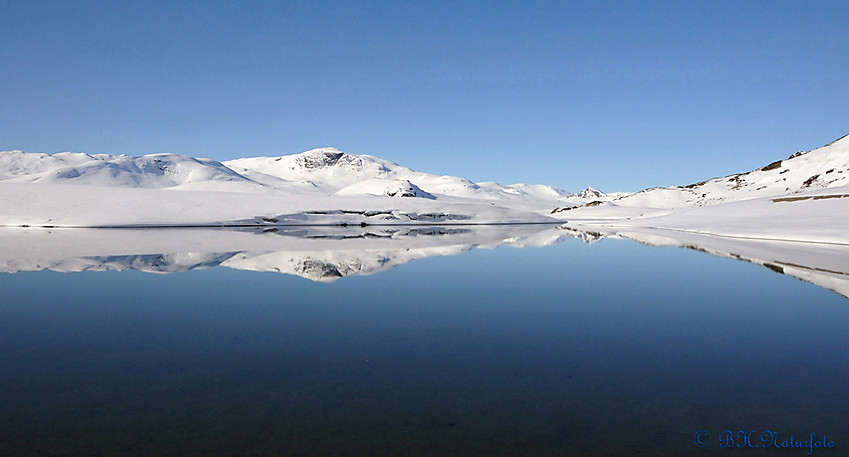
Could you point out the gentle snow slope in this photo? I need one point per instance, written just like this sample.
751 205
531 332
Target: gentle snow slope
151 171
825 167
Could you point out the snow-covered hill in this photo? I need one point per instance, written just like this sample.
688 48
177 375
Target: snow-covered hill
385 187
826 167
322 171
150 171
802 198
540 191
335 172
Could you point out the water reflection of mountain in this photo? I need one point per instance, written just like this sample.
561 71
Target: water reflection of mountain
327 254
316 253
823 264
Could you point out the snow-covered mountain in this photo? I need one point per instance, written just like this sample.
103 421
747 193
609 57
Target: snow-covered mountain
826 167
335 172
540 191
322 171
150 171
328 186
589 196
590 193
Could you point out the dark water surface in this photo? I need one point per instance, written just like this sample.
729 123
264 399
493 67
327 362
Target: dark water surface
611 349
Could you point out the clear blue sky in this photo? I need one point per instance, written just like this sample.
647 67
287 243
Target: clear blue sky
617 95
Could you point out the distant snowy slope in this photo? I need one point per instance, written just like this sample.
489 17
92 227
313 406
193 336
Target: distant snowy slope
150 171
826 167
540 191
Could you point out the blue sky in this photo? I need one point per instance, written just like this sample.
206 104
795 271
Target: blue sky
617 95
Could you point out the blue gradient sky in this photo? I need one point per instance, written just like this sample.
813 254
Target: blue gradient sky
616 95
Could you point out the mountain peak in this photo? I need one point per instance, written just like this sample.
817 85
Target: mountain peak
327 157
590 192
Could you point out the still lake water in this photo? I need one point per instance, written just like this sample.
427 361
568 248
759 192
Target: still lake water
610 349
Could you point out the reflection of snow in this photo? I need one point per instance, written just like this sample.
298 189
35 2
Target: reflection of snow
319 253
826 265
